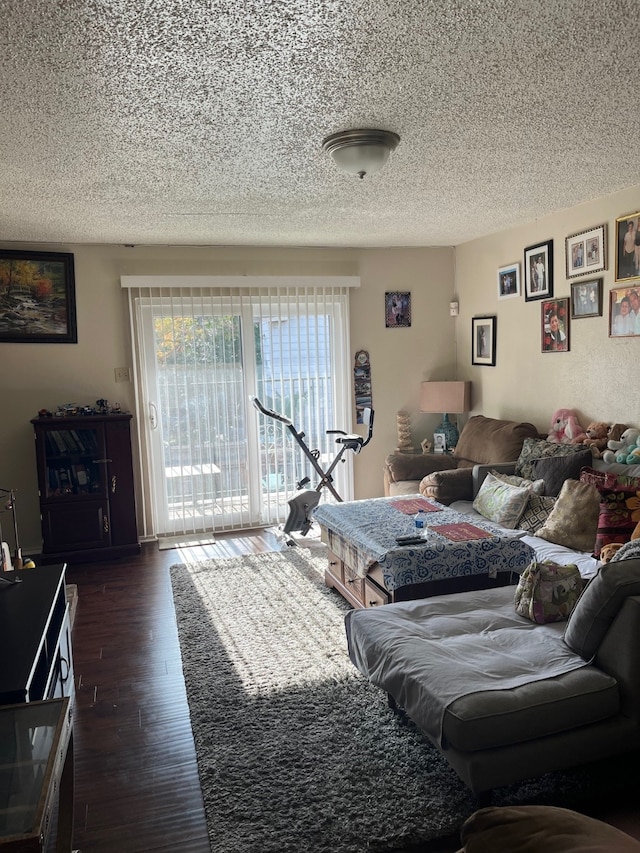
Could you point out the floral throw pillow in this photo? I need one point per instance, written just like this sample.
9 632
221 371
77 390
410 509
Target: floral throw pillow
501 502
619 511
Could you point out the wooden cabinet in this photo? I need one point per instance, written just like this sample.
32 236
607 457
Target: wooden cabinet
358 591
85 480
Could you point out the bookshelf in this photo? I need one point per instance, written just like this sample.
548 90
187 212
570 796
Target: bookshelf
85 482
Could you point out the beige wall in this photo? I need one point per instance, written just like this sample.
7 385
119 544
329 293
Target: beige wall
598 377
36 376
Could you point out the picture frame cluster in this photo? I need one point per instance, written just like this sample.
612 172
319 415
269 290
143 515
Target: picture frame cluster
585 258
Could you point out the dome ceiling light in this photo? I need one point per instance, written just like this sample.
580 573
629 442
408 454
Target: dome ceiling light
361 152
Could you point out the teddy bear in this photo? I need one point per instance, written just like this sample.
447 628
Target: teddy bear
617 451
564 427
595 436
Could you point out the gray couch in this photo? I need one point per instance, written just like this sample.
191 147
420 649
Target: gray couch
500 731
448 477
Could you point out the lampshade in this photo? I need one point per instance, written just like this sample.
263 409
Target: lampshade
446 398
361 152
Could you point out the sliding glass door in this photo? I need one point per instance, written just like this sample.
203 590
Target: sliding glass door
212 462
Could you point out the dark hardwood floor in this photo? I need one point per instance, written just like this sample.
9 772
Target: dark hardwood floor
137 786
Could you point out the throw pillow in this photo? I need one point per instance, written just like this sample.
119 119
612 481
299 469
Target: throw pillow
554 470
536 486
573 522
619 511
536 512
538 448
501 502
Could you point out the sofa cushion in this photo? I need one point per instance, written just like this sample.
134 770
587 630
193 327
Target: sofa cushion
530 711
573 521
501 502
539 448
536 512
554 470
535 486
599 604
541 829
448 486
485 440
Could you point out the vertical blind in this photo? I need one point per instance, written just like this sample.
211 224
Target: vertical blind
208 460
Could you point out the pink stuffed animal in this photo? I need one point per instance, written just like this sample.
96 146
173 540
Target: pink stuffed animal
564 427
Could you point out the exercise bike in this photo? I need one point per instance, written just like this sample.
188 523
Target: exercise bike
304 501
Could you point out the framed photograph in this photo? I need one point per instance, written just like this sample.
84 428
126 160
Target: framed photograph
483 340
554 315
509 281
439 442
586 299
397 308
538 271
585 252
628 247
624 312
38 296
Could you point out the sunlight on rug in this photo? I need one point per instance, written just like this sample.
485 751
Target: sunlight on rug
296 750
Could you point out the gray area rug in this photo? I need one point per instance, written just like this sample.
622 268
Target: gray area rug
296 751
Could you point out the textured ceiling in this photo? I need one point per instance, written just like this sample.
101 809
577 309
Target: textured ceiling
200 122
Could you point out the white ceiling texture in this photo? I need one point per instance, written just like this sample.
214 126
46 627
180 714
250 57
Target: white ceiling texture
200 122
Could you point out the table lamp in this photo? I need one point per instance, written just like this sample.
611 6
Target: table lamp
447 398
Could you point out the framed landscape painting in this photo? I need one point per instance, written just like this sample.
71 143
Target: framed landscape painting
538 271
37 290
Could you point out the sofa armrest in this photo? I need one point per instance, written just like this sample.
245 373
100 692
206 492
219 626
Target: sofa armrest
448 486
481 471
415 466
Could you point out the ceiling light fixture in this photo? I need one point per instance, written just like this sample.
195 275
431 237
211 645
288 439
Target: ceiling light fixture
361 152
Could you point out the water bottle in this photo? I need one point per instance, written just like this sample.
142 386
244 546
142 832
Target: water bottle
420 519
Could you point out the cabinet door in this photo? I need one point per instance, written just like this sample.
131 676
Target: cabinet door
75 526
122 509
71 461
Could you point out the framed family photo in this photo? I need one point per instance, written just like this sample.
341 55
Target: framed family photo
397 308
538 271
628 247
483 341
554 315
38 294
624 312
586 299
509 281
585 252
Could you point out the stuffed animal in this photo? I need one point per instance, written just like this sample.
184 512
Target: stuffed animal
564 427
633 455
597 435
617 451
607 551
